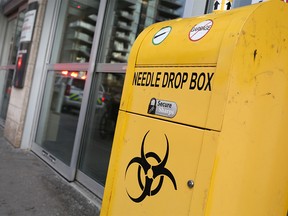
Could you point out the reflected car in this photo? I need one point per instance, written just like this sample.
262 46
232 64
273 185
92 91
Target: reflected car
74 93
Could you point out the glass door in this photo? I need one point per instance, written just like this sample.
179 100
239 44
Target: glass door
60 114
99 130
8 60
7 76
118 34
58 133
84 83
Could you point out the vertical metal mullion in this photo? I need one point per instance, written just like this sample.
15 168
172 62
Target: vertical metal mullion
90 72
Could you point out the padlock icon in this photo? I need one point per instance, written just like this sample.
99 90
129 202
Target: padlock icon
152 106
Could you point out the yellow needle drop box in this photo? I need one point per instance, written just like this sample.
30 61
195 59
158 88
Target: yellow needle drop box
203 122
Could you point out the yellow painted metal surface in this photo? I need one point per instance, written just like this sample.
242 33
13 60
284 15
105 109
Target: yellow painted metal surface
202 126
172 157
178 84
251 168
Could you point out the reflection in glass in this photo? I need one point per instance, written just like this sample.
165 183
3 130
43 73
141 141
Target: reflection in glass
9 53
4 74
20 21
7 87
100 125
59 113
75 31
131 17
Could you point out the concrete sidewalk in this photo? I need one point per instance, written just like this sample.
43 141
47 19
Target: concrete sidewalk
29 187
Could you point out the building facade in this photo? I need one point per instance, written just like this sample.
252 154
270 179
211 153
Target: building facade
62 68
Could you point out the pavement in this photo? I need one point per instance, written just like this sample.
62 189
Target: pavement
29 187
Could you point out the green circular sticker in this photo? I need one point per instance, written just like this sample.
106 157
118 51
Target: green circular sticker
161 35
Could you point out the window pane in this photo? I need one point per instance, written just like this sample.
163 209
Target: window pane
75 31
19 25
8 43
100 125
129 19
6 77
60 112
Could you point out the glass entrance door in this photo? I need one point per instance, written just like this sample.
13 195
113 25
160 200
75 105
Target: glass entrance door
117 36
99 130
78 116
58 132
8 60
5 82
59 118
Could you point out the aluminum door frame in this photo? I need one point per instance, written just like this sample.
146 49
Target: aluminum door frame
66 171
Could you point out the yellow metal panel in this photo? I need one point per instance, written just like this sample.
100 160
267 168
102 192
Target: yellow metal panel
188 87
179 49
144 141
251 171
224 63
230 141
178 54
204 173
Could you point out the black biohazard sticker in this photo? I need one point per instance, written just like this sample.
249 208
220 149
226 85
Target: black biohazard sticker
154 174
162 108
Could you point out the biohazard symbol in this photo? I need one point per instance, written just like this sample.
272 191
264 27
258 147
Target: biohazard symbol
151 172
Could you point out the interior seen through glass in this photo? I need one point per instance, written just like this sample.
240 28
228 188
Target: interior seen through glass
60 112
100 125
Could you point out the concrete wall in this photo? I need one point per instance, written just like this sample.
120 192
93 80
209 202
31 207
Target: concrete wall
17 109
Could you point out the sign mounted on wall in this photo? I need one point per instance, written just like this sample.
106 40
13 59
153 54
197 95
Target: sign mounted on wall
217 5
25 43
28 26
220 5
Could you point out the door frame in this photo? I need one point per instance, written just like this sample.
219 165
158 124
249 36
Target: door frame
81 177
67 171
